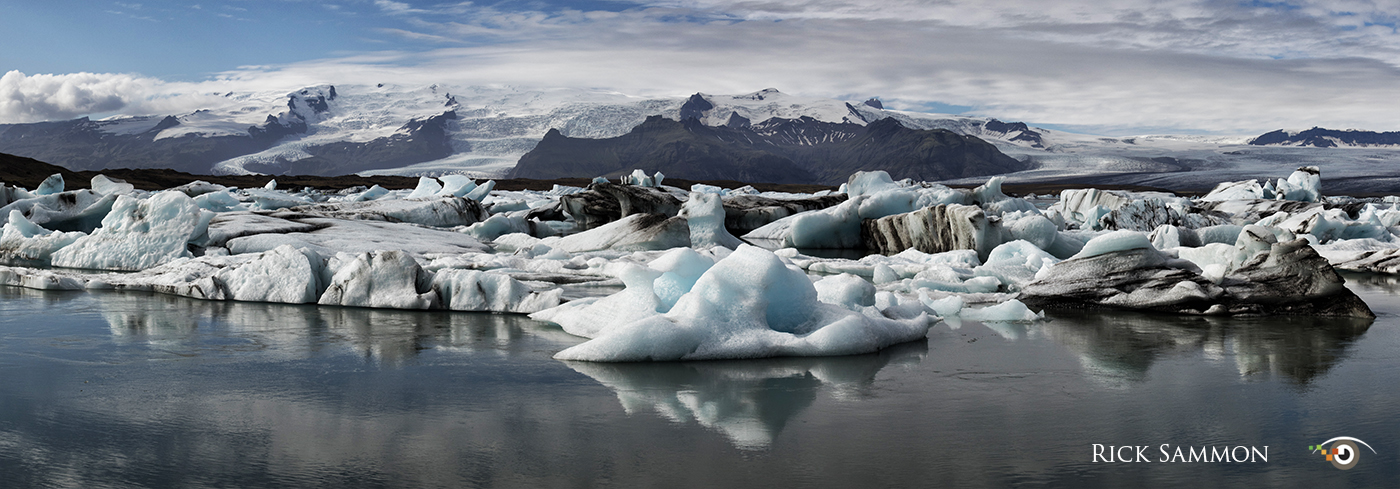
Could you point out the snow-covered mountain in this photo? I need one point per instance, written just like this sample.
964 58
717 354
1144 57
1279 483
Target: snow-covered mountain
483 132
388 129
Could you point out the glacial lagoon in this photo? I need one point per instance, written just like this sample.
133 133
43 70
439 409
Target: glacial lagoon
130 389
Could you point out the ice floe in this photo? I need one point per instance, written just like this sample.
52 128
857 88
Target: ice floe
647 271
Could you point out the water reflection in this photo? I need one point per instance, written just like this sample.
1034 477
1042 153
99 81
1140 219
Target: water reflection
387 337
1122 347
748 401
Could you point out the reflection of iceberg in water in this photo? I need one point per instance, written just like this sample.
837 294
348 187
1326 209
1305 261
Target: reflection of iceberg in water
1119 347
750 401
153 319
294 331
1300 349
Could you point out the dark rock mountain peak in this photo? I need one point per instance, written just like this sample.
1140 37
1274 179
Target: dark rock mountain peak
1327 138
803 150
309 103
416 141
168 122
875 102
737 121
695 107
1006 128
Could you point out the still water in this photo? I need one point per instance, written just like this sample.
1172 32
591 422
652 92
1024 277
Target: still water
142 390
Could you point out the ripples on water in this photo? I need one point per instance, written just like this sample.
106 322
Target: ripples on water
141 390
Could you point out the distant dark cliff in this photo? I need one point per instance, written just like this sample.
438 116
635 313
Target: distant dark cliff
1328 138
778 150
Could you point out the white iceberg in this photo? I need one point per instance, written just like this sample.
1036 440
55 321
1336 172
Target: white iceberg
138 234
749 305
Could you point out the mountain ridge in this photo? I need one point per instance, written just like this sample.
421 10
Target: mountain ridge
779 150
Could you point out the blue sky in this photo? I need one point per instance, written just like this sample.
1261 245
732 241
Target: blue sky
1105 66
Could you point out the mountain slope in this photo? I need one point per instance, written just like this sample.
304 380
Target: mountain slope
803 150
425 130
1327 138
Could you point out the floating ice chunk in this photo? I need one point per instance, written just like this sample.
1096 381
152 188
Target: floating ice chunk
283 274
388 279
704 213
427 187
1167 236
680 268
9 194
868 182
218 201
994 202
707 189
601 180
30 278
509 243
845 290
329 236
1303 185
76 210
1257 276
473 290
502 206
137 234
456 185
749 305
590 317
24 242
497 225
883 274
946 307
51 185
1224 233
372 193
481 191
1213 259
1241 190
1085 207
637 232
271 185
1120 240
745 213
436 212
110 186
1012 310
1016 263
835 227
933 230
272 200
1031 226
198 188
640 179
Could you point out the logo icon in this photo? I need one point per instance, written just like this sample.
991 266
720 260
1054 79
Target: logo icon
1342 451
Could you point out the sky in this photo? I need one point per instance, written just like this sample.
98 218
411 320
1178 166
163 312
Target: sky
1112 67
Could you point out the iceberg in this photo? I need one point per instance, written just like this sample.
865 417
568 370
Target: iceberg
138 234
748 305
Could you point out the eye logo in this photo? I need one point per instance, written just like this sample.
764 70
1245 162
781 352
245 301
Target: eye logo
1344 453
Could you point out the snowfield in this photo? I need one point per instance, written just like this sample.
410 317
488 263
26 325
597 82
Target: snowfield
648 272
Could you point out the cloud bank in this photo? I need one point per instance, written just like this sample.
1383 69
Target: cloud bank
1105 66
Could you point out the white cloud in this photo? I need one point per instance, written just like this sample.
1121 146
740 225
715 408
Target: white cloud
1115 65
25 98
